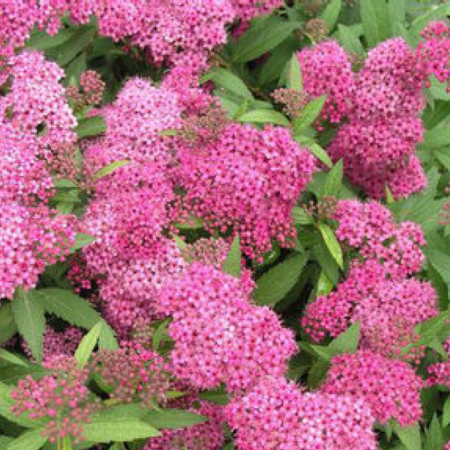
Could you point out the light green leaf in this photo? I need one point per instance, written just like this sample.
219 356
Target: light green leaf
70 307
4 441
434 437
409 436
228 80
232 263
446 412
350 40
348 341
30 319
264 116
315 149
110 168
8 327
375 20
107 339
332 244
66 443
13 358
121 429
81 240
262 37
276 283
294 79
173 419
301 217
30 440
309 113
397 16
90 127
87 345
160 333
333 181
331 13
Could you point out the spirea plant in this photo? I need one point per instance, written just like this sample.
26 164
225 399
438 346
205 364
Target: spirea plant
224 225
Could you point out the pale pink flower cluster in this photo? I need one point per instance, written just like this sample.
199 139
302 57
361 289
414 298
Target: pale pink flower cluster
220 336
246 181
276 414
390 388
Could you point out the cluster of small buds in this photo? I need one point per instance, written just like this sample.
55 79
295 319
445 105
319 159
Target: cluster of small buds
247 181
57 343
212 252
219 335
276 414
205 436
293 101
63 162
62 398
391 388
322 210
315 29
89 93
133 372
313 7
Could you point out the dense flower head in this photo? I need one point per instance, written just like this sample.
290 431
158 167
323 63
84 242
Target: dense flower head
387 310
390 387
439 373
89 93
208 435
58 343
36 102
133 372
220 337
30 239
276 414
247 9
327 70
247 181
62 399
370 228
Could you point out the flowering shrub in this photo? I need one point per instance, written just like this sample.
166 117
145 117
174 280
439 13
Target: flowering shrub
224 225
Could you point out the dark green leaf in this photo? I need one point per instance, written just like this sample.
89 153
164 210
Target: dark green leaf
90 127
333 182
309 113
8 326
301 217
332 243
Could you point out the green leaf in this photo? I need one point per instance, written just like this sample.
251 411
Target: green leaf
440 261
397 15
375 20
8 326
262 37
66 443
446 412
294 79
173 419
110 168
422 21
42 41
409 436
13 358
107 339
120 429
232 263
264 116
30 440
70 307
228 80
90 127
160 333
72 47
276 283
218 397
331 13
309 113
332 243
30 319
350 40
333 182
301 217
81 240
4 441
389 197
87 345
434 437
348 341
315 149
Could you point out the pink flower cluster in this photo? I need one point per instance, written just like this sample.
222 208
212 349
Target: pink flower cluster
276 414
246 181
61 397
382 104
220 337
391 388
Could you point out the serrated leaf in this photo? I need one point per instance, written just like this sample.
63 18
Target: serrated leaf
409 436
120 429
8 327
264 116
90 127
331 13
30 440
228 80
70 307
30 319
315 149
233 261
87 345
333 181
276 283
110 168
309 113
332 243
375 20
294 79
173 419
261 38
